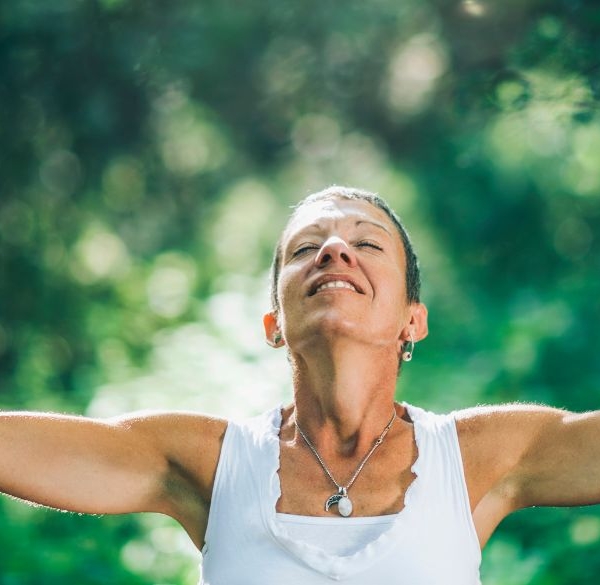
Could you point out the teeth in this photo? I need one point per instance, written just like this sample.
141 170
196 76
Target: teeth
336 284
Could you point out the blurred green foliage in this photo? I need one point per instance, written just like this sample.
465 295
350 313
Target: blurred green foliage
150 153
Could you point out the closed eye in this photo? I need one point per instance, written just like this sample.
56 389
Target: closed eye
304 249
369 244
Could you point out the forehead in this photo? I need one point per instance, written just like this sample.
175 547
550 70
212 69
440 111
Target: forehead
337 211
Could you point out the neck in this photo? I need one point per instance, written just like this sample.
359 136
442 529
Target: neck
344 396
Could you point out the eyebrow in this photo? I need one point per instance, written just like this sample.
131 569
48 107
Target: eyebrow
318 226
374 223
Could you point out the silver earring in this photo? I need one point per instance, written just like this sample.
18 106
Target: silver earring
277 337
407 354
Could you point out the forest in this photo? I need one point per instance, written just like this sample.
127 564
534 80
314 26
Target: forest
150 153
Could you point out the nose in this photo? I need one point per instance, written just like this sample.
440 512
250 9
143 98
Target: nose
334 250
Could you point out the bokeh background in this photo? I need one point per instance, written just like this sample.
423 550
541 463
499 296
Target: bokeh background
149 155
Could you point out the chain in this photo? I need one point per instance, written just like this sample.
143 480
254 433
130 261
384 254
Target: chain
376 444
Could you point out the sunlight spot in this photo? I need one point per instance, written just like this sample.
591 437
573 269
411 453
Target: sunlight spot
474 8
191 140
243 228
99 254
170 285
138 555
413 73
585 530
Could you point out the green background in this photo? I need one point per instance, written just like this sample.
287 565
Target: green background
149 153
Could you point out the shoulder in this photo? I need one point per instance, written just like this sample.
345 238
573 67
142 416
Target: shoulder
504 422
189 442
192 442
169 428
496 439
503 432
492 426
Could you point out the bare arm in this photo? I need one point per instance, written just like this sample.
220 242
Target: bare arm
142 462
561 464
518 456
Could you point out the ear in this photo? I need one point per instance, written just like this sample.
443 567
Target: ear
272 331
418 321
416 326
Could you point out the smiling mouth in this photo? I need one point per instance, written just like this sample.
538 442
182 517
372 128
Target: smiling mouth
335 284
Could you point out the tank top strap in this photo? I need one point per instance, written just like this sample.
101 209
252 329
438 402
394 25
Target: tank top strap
440 461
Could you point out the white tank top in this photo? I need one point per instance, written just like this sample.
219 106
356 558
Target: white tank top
432 541
336 536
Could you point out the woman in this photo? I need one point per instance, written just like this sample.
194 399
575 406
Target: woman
344 483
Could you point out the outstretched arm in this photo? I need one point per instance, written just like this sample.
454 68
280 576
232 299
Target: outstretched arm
561 464
518 456
141 462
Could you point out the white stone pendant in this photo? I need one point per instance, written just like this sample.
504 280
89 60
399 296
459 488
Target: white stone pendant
345 506
344 503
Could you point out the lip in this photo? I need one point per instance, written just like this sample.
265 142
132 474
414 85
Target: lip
325 278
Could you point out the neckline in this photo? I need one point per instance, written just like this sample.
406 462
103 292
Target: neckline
336 521
315 557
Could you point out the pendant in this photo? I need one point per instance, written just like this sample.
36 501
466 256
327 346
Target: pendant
345 506
344 503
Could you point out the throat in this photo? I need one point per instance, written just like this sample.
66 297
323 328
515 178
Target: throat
345 413
339 487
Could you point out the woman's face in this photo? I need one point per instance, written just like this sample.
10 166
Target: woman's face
342 274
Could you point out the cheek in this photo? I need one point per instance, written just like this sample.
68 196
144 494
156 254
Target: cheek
393 300
394 287
287 294
283 290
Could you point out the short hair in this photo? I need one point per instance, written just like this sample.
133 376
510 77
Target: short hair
413 276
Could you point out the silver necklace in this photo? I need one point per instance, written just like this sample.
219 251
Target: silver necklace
344 503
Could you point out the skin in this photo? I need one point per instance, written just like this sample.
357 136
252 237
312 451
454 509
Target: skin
344 347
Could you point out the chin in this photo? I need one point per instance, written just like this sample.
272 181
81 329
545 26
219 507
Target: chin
332 326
